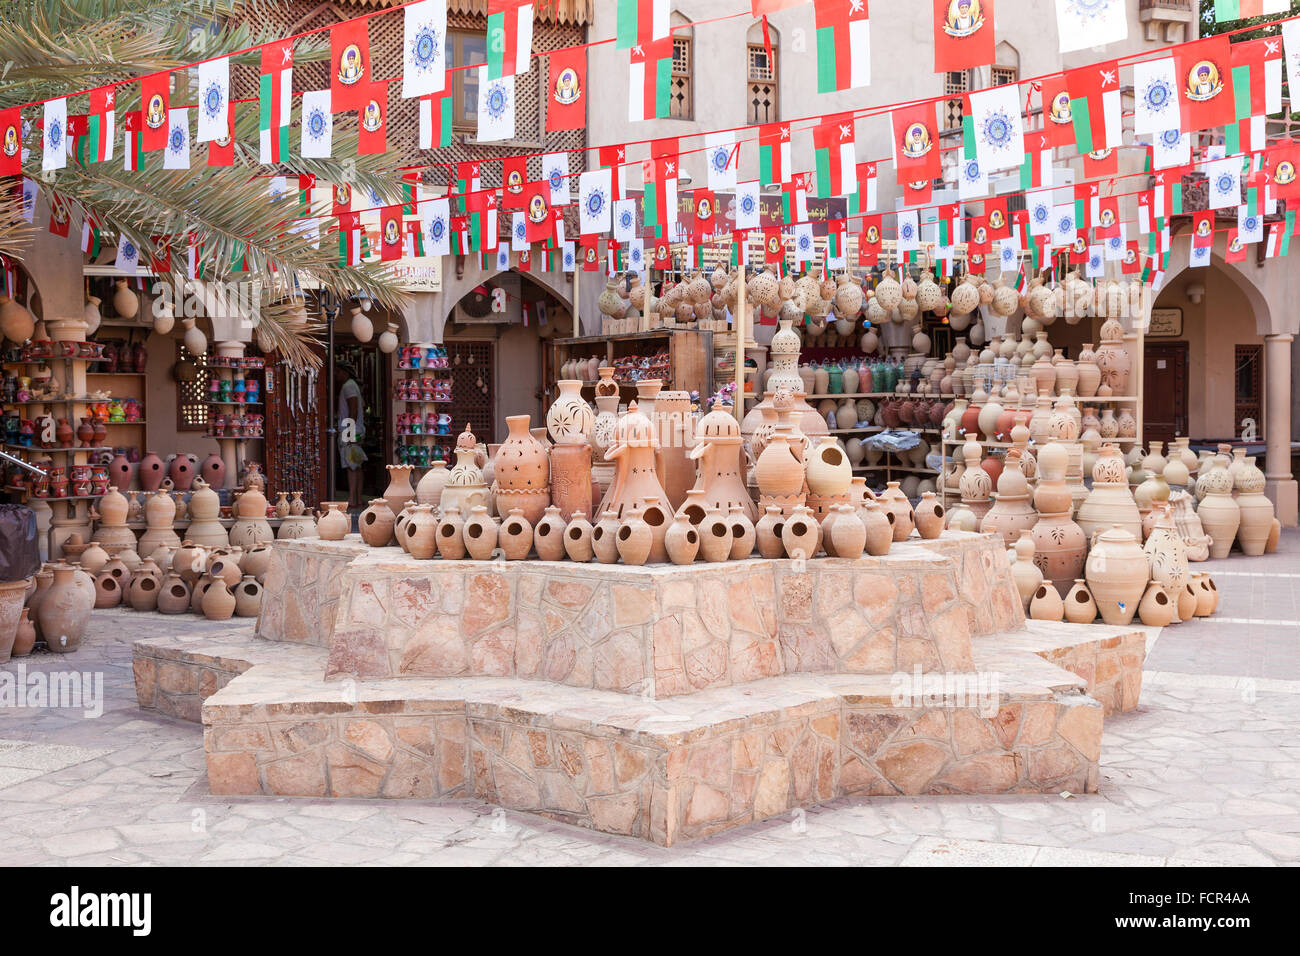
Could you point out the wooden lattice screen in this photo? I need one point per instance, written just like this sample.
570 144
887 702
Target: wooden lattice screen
472 389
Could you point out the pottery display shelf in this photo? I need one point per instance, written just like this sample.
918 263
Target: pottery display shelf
233 448
662 702
417 450
690 356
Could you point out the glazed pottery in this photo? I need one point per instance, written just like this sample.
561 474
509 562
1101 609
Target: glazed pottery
548 535
682 540
1117 573
1080 608
577 538
376 524
515 536
480 533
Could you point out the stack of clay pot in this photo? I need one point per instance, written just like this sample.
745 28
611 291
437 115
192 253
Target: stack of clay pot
112 532
521 472
298 522
1059 543
251 526
569 422
205 528
465 484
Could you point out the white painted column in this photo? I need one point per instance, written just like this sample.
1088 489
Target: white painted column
1281 486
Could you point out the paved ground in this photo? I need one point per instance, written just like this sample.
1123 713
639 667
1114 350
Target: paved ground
1206 772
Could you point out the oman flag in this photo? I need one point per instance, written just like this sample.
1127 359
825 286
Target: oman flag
1095 107
864 199
835 156
1225 10
275 98
1204 73
100 125
843 44
1256 92
482 209
435 119
649 74
947 224
639 22
773 153
509 37
659 206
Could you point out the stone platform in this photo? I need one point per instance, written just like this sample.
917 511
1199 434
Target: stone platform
660 702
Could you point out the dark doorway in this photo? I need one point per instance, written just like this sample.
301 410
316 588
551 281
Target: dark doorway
1164 391
1248 418
373 377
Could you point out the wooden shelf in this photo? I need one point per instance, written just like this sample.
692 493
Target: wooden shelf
55 451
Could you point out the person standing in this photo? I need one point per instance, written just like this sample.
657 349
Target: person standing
351 430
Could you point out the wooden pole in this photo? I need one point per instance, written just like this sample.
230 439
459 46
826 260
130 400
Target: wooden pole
577 285
741 326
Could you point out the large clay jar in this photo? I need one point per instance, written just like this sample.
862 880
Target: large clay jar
480 533
682 540
1113 359
634 538
522 472
879 522
768 531
1046 604
428 490
376 524
159 516
548 535
800 534
334 523
150 472
24 635
848 534
1166 553
1117 574
515 536
251 527
174 595
577 538
12 594
399 490
213 470
828 470
1219 512
248 597
204 510
569 419
425 534
1109 502
780 473
715 535
743 534
182 469
719 456
64 611
604 538
896 503
929 516
218 602
1256 510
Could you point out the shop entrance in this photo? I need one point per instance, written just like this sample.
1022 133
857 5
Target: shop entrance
1164 390
371 368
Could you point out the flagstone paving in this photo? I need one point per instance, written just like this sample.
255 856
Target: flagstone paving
1206 771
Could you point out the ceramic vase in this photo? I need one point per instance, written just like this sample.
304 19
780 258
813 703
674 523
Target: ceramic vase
64 611
521 471
399 490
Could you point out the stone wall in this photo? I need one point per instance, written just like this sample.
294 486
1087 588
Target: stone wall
302 585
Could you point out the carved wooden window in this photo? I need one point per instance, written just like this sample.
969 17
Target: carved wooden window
1004 75
1250 388
680 94
192 403
760 86
955 83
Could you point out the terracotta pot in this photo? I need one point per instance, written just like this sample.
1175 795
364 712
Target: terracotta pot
719 457
334 523
174 595
143 594
577 538
12 595
715 536
189 561
1023 570
1046 604
879 524
24 635
522 472
604 538
548 535
182 469
800 534
399 490
828 470
218 602
256 560
480 533
1059 549
1117 573
743 534
515 536
929 516
569 419
108 590
896 503
1080 608
64 611
425 534
1009 515
1220 516
571 479
779 472
213 470
848 535
226 568
248 597
1166 553
682 540
1207 595
768 532
428 490
635 538
376 524
1155 608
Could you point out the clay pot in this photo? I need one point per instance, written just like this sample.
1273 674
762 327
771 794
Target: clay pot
896 503
879 523
181 469
1117 574
548 535
480 533
24 635
570 418
1207 595
376 524
682 540
800 534
1024 572
213 470
399 490
12 595
150 472
64 611
929 516
226 568
715 536
848 535
828 470
522 472
1046 604
425 534
428 490
256 560
768 532
334 523
635 538
174 595
108 589
515 536
1080 608
93 559
1155 609
143 594
577 538
1219 512
1059 549
218 602
604 538
248 597
743 534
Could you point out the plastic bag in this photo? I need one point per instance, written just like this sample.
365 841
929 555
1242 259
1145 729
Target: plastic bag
20 556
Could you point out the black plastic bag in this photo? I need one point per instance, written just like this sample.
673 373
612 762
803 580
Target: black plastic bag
20 556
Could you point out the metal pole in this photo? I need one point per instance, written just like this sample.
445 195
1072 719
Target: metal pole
329 398
741 327
577 285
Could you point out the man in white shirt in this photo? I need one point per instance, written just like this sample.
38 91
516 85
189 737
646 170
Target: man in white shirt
351 430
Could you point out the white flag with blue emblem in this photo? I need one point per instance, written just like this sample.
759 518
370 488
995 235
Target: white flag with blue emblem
317 125
177 153
1250 226
1117 245
1225 182
594 201
214 99
636 257
722 156
1199 257
1096 268
972 181
555 170
128 256
503 258
496 107
1064 228
804 248
1171 148
909 231
518 232
1081 24
435 222
54 155
999 133
748 205
424 48
1155 96
568 257
624 220
1009 253
1039 206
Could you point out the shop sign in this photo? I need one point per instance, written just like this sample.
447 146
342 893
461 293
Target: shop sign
1165 323
419 275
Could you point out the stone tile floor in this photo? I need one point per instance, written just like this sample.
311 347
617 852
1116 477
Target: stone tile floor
1207 771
